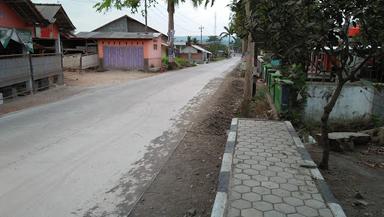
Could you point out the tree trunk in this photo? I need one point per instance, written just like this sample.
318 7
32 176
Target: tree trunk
244 43
171 32
229 45
324 125
249 56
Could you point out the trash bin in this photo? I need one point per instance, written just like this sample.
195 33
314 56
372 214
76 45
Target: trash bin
276 63
281 94
271 82
266 67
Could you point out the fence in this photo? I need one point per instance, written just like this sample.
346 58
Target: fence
16 69
72 61
46 65
79 61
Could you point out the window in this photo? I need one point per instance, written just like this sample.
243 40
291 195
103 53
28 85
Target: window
155 47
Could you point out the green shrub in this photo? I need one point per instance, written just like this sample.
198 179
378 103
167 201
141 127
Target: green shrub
164 60
181 62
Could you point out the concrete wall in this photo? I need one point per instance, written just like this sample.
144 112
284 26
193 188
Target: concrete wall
378 102
89 61
72 61
354 103
77 61
195 57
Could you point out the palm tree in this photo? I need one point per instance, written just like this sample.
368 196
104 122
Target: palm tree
228 33
134 5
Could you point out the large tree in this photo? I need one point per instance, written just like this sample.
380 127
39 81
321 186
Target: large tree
243 10
135 5
294 30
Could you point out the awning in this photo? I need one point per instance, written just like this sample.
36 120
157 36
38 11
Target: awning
21 36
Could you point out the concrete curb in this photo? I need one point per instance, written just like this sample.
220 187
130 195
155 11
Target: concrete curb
221 200
324 189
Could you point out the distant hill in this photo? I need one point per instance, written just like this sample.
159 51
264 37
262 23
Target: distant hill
205 38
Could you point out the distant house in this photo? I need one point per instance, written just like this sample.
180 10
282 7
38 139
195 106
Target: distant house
30 45
194 53
179 45
126 43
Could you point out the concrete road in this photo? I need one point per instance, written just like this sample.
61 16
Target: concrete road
93 154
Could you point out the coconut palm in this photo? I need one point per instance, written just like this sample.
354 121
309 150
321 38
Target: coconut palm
228 33
134 5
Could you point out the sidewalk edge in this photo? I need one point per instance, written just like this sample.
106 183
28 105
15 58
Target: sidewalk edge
221 199
323 187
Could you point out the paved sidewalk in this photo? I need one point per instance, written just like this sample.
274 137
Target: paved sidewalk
271 177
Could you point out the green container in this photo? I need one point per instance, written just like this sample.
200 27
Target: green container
272 83
281 94
268 75
277 95
266 67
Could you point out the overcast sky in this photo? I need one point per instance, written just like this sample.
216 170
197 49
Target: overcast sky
187 18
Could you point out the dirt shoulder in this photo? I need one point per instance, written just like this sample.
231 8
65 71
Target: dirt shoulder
75 83
356 172
186 185
93 78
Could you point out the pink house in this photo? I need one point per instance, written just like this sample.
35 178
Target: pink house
126 43
126 50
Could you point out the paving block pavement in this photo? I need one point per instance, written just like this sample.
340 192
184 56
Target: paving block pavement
273 177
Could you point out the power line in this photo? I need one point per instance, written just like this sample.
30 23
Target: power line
165 18
184 17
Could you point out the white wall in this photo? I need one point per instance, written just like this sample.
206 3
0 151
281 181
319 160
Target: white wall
77 61
378 103
89 61
71 61
355 101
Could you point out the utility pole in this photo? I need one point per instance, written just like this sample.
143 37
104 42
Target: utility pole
201 33
215 24
146 15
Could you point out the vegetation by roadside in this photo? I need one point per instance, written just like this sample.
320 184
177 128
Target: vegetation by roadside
180 63
259 107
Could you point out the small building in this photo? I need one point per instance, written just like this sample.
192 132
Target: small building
195 53
17 22
127 50
48 39
128 44
30 48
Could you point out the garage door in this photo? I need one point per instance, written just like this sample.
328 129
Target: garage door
130 57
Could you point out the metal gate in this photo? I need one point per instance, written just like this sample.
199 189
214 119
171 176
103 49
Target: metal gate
130 57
